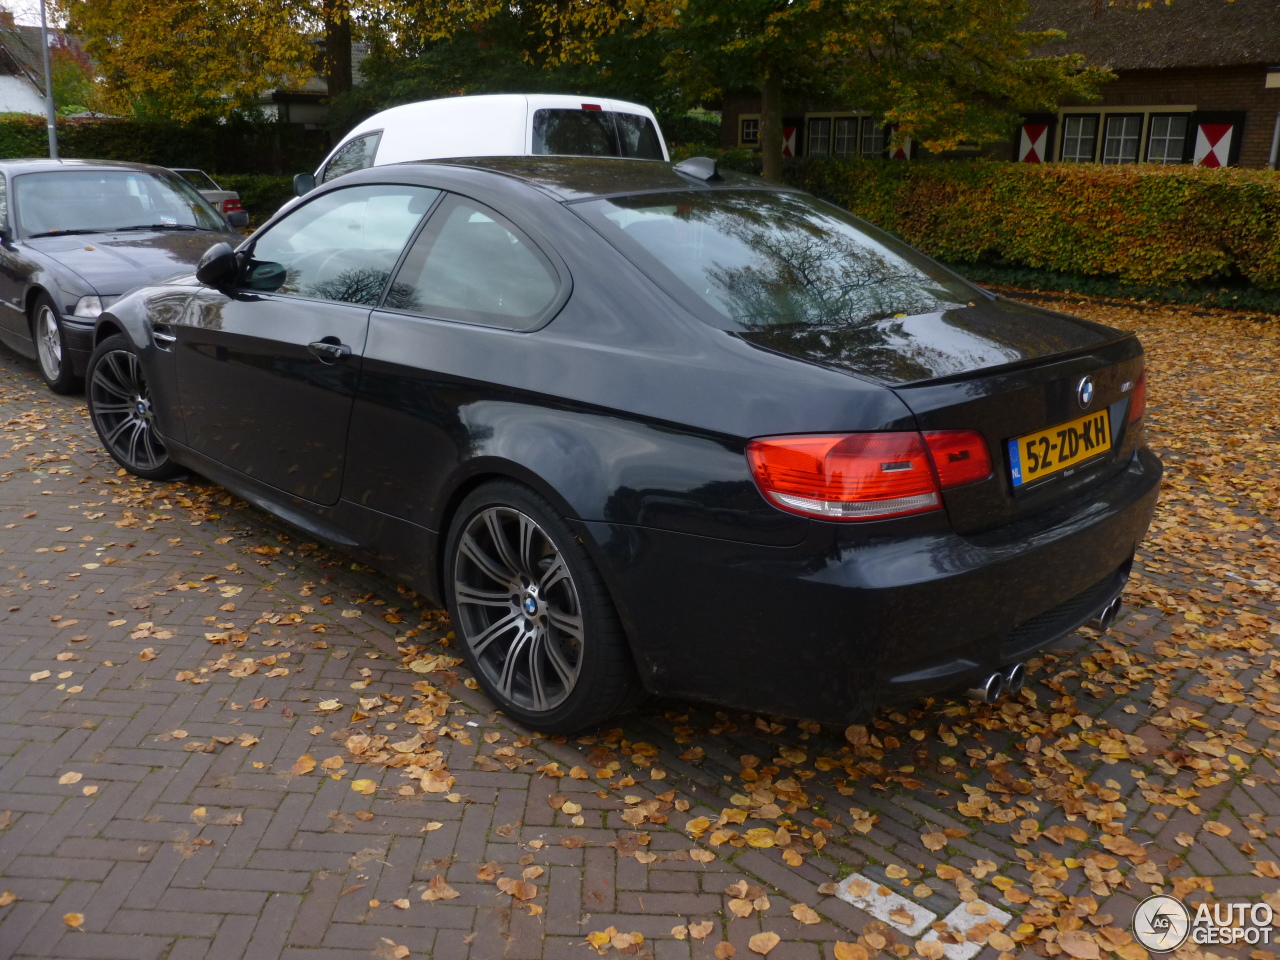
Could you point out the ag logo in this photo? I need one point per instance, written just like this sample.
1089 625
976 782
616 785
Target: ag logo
1161 923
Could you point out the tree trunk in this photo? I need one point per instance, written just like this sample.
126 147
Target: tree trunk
771 123
337 46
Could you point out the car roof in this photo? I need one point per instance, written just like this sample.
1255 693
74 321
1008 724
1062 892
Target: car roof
581 178
44 164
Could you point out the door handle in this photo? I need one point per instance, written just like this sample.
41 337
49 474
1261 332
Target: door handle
329 350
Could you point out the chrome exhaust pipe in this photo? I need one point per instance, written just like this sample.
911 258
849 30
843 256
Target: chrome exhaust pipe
990 691
1015 675
1104 620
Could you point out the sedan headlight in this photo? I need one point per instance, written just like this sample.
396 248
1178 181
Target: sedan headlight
88 307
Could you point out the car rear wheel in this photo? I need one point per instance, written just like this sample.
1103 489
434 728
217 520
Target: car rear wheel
51 348
121 410
533 617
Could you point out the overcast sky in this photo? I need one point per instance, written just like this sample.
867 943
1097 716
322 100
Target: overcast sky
24 11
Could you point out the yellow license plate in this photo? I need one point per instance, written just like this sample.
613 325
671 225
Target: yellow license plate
1038 455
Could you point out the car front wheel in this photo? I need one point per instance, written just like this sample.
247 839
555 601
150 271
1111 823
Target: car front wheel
121 411
51 347
531 612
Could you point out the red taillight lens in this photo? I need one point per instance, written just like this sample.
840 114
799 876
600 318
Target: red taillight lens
959 456
229 205
860 476
1138 402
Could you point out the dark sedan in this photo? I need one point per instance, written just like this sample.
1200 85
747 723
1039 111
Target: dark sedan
75 235
645 427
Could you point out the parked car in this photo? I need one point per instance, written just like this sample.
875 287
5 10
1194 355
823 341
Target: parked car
494 125
74 236
226 202
651 427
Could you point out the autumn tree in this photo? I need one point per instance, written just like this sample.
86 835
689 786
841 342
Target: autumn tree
191 58
941 71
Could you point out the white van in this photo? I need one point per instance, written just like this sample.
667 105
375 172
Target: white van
495 125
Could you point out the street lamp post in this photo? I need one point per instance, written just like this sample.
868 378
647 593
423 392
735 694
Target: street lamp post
51 111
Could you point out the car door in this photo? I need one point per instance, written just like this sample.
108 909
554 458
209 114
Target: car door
15 271
267 370
470 277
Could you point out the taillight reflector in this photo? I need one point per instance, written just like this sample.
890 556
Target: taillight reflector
959 456
860 476
591 106
1138 402
229 205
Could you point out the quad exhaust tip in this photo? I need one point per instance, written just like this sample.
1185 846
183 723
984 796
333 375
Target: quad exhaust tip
1107 617
1002 683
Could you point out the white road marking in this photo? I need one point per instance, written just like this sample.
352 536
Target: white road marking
881 905
961 921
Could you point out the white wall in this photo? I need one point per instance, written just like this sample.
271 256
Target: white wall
19 96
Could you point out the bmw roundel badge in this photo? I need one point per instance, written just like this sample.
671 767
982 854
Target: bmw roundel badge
1084 392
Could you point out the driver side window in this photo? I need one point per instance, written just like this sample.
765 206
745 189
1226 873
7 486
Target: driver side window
341 246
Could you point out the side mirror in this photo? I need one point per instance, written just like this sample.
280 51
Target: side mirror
218 266
303 183
238 219
265 276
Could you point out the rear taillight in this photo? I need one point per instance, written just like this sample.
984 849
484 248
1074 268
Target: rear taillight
1138 402
228 206
866 476
860 476
959 456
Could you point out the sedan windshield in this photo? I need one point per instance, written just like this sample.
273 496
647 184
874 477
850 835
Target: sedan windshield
102 201
753 260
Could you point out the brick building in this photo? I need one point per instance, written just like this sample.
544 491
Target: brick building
1198 81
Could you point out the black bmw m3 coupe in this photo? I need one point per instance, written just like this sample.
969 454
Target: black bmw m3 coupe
645 427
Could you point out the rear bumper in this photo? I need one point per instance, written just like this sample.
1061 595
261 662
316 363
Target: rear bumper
848 621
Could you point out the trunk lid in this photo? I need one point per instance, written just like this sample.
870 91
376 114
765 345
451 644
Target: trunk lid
1005 369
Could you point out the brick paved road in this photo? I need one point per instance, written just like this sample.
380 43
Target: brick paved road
172 818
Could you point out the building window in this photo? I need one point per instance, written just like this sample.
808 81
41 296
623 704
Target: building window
1167 140
1120 144
872 137
819 137
1079 139
845 140
751 130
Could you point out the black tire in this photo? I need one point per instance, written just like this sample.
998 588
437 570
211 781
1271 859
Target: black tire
546 589
120 408
52 357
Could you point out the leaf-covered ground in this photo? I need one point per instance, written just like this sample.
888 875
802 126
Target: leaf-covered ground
1137 762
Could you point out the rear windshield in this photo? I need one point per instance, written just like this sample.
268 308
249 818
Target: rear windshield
755 260
198 179
595 133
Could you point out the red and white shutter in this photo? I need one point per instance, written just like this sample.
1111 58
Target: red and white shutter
1216 139
789 140
1213 144
1033 145
897 149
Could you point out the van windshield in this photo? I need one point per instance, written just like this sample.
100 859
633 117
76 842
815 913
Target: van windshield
595 133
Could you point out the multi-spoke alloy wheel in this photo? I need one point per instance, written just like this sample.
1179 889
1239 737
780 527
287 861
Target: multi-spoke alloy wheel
536 623
519 608
51 347
120 407
49 341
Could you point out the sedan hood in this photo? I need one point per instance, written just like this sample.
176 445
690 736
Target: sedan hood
929 346
113 263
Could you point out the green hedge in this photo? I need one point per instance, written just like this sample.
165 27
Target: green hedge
219 148
1140 224
261 193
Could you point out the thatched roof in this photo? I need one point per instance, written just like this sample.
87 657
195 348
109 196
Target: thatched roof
1183 33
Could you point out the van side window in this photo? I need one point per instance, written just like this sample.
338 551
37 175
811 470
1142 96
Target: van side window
473 265
353 155
637 136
